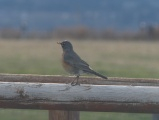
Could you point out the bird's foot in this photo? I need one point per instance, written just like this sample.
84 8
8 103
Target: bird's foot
74 84
67 88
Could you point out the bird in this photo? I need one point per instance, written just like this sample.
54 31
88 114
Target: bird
73 64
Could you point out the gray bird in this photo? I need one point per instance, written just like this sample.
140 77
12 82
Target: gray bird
73 64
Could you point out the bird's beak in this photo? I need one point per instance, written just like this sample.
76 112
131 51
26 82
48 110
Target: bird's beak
58 42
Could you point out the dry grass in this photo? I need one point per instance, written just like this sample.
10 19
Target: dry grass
124 59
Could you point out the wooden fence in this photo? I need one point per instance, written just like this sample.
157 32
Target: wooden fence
54 93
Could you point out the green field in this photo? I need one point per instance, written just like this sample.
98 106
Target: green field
111 58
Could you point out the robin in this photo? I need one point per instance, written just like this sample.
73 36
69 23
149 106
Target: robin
73 64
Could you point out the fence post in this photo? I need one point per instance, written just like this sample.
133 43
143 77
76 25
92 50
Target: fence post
63 115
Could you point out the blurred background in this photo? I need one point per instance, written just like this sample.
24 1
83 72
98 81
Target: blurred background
104 19
117 38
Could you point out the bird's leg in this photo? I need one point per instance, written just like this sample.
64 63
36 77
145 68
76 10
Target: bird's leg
77 83
73 82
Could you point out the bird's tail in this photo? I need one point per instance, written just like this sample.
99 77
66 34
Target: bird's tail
95 73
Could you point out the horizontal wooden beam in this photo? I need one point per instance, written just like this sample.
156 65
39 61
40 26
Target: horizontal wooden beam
53 96
82 80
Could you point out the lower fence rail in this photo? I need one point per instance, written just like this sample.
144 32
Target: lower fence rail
64 101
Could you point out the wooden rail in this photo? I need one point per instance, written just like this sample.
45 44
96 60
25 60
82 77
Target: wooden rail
53 96
52 93
83 80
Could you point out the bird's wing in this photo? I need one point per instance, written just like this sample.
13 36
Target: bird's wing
74 60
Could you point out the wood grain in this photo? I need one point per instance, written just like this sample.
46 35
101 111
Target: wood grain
54 96
82 80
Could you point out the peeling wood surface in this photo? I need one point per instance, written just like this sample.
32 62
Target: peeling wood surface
53 96
83 80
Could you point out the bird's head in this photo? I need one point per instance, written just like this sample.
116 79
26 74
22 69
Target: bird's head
66 45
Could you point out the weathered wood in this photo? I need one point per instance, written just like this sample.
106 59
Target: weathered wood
63 115
83 80
52 96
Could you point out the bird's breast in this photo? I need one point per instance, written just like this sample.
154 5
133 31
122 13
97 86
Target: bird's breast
66 65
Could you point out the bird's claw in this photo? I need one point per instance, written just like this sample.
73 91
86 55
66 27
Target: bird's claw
74 84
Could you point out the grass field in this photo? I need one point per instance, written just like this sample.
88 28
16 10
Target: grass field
114 59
